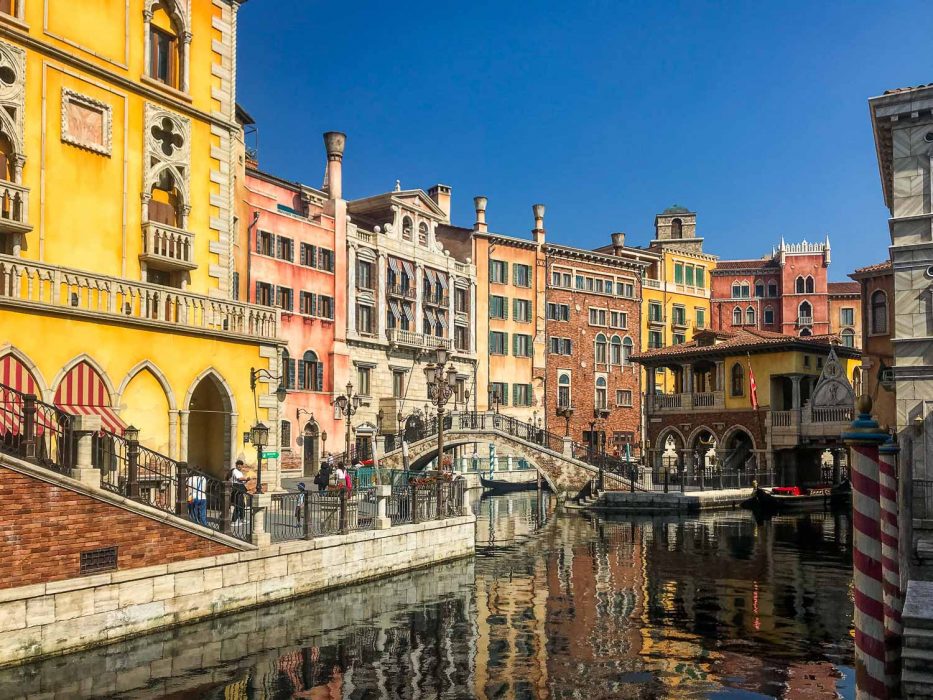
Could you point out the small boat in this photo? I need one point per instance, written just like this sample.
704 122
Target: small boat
500 486
789 498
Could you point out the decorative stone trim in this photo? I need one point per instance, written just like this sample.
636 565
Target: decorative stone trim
13 94
71 99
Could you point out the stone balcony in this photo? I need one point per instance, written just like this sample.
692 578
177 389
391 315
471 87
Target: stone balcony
790 428
14 208
167 248
804 321
398 336
679 403
40 287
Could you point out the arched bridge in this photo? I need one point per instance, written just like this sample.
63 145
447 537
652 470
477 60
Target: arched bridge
562 463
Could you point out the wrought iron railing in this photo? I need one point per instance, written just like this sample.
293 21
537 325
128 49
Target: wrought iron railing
35 431
470 420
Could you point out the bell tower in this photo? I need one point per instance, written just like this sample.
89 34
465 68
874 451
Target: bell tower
676 227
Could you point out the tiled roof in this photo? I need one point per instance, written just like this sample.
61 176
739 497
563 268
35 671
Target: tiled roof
886 265
744 264
843 287
734 341
907 89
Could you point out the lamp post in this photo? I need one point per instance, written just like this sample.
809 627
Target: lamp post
441 382
348 404
323 443
566 412
494 398
131 433
259 436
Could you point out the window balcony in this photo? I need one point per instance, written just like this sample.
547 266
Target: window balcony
441 300
650 283
804 321
656 321
14 208
680 322
396 290
167 248
685 403
398 336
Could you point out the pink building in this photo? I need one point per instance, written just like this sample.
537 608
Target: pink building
297 261
785 292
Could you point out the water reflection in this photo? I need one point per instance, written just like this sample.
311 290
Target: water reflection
553 606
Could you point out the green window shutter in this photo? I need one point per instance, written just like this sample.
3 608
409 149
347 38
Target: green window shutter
679 273
505 393
515 344
515 312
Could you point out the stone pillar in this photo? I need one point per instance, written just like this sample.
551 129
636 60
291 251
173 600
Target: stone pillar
419 298
720 375
183 437
381 276
568 446
261 503
173 434
351 289
84 428
688 371
795 383
865 437
890 564
382 521
467 508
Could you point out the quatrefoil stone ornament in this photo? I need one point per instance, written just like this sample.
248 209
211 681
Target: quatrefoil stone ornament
167 135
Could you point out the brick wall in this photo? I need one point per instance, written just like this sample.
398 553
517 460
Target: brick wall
45 527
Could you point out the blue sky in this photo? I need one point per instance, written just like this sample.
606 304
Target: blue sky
754 114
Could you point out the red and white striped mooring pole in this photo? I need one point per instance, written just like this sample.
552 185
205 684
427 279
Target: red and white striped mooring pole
890 566
865 437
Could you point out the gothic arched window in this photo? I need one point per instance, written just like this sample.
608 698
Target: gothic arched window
738 380
879 312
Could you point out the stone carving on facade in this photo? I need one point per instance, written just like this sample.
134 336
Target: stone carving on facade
86 122
168 154
833 387
13 102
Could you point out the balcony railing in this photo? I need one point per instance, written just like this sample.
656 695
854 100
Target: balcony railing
167 247
650 283
14 208
365 236
686 401
680 322
404 292
784 419
441 300
399 336
831 414
37 285
804 320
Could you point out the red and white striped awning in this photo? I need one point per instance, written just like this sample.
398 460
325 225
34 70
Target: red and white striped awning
83 393
15 375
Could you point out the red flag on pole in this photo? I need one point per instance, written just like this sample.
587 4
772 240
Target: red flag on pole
752 385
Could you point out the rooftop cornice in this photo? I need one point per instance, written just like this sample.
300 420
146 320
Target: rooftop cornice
641 260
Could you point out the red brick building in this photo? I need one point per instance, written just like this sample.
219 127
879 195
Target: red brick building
877 377
785 292
593 303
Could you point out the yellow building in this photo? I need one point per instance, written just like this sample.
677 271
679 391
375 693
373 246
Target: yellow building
676 290
119 160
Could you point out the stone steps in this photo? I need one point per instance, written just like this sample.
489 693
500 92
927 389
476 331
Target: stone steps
918 638
917 684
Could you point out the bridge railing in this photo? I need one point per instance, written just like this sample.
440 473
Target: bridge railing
35 431
470 420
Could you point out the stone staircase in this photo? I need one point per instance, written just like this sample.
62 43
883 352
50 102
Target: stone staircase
917 651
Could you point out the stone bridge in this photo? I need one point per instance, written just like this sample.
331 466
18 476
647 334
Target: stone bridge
551 455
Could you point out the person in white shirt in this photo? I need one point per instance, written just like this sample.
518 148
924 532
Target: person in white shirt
341 475
238 479
197 498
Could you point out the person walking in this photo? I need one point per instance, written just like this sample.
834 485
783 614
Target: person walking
300 502
341 476
238 479
322 478
197 498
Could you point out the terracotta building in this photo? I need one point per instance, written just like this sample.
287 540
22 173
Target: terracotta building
593 328
784 292
877 377
845 319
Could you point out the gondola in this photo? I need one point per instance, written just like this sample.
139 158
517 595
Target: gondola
506 486
786 498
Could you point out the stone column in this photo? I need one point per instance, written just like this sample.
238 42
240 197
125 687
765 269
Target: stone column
720 375
688 371
568 446
381 275
173 434
183 436
351 289
84 428
890 563
419 298
795 382
261 503
382 520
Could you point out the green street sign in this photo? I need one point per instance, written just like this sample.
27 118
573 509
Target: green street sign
270 455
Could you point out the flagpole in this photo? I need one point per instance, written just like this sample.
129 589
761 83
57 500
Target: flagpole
753 397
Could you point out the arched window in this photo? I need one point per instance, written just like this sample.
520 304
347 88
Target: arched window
746 290
805 332
736 290
879 312
804 314
738 380
800 285
165 45
600 349
407 228
165 203
615 354
311 372
422 233
677 228
809 285
563 391
768 316
759 288
7 158
750 316
627 347
848 337
601 393
736 316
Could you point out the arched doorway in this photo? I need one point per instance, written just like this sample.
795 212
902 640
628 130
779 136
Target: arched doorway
739 451
209 414
311 448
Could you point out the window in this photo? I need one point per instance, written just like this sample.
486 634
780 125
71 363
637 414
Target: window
563 390
498 343
799 285
805 313
625 289
284 298
325 306
805 332
738 380
498 272
700 281
655 313
772 289
746 290
736 290
521 310
422 233
310 372
306 303
677 228
679 339
700 318
623 397
680 316
561 346
601 397
879 312
600 355
521 275
521 394
288 370
461 338
759 288
500 390
363 377
597 317
806 360
689 277
461 300
628 346
6 6
398 384
579 282
364 319
521 345
654 340
163 50
236 286
809 285
407 228
307 255
498 307
285 437
265 243
679 273
846 316
750 316
264 293
325 259
364 274
558 312
768 316
615 350
618 319
284 248
848 338
736 316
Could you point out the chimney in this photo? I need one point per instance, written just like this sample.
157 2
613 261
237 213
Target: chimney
441 196
334 142
618 242
538 230
480 204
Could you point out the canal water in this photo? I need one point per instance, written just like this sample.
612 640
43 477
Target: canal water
552 606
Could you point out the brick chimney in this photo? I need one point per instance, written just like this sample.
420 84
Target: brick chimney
441 196
618 242
480 204
334 142
538 230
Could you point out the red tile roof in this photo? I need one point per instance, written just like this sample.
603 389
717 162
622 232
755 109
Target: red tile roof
894 91
741 340
744 264
843 287
886 265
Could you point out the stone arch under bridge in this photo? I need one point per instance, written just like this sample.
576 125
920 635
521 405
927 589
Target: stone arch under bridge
564 474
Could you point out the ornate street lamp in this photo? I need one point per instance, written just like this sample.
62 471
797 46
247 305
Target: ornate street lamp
441 382
259 436
566 412
348 404
494 398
